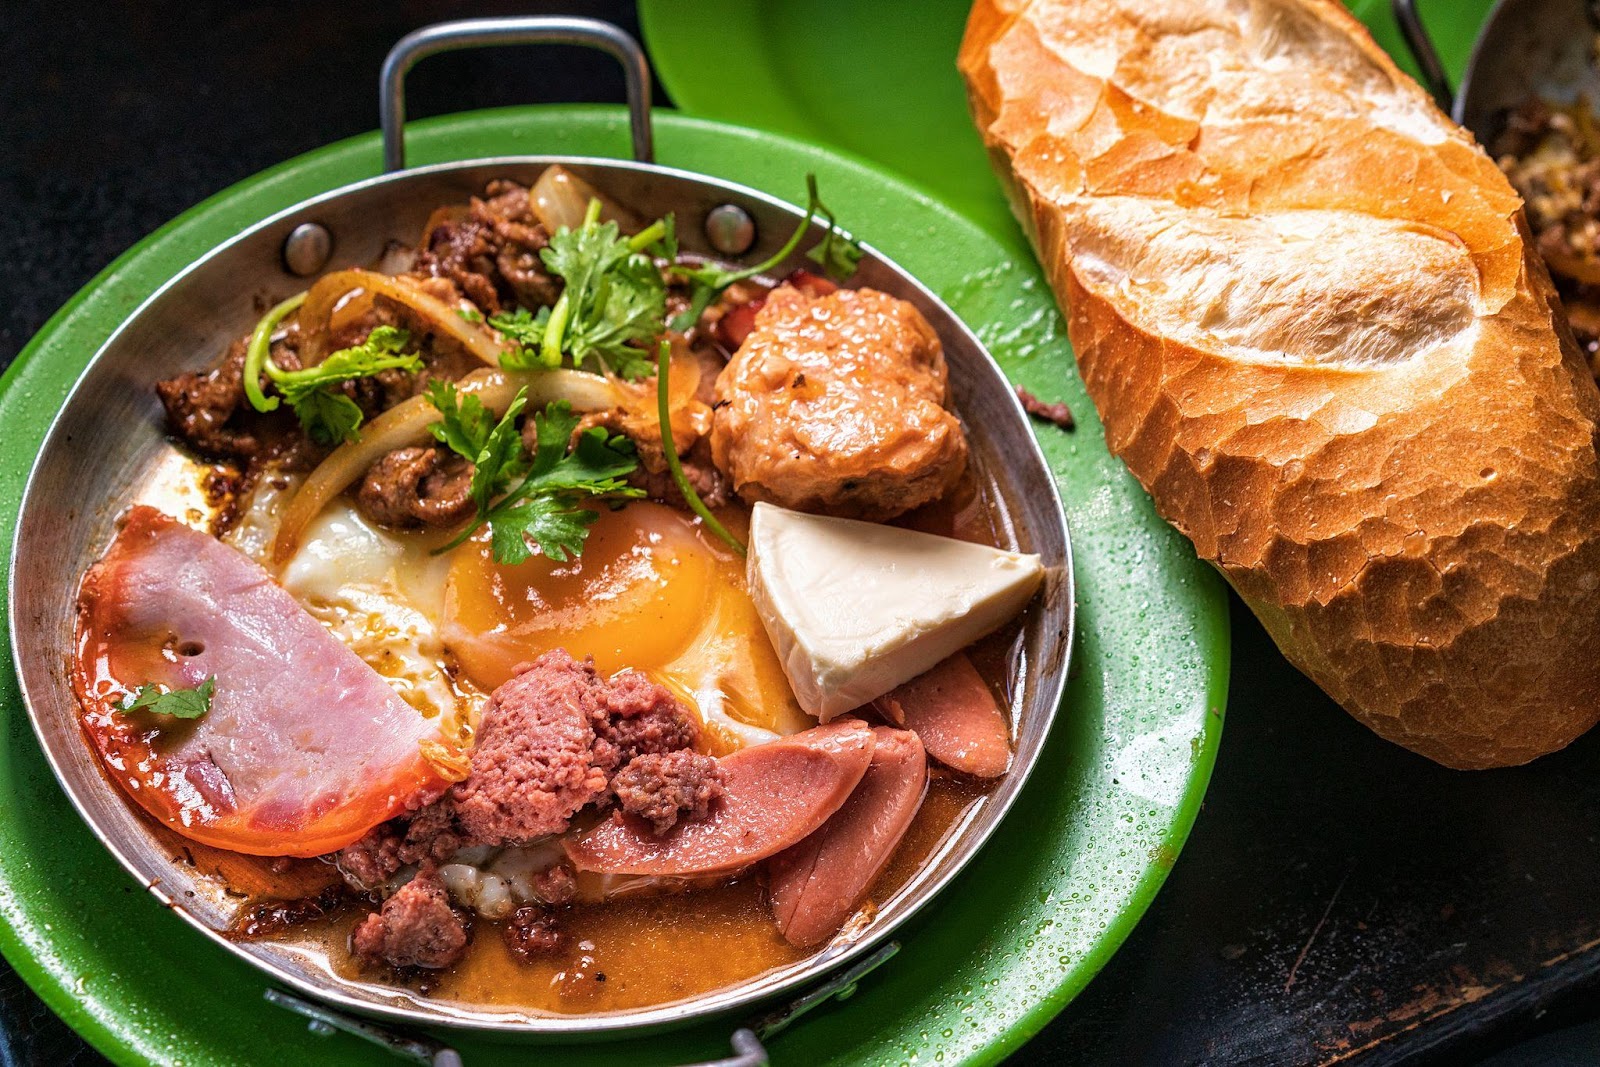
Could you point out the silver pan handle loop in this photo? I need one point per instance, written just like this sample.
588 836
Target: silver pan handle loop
479 33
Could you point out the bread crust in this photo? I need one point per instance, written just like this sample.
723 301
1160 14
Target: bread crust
1306 307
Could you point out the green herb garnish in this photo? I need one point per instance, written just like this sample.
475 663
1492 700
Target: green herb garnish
670 449
614 297
178 703
328 416
837 253
546 507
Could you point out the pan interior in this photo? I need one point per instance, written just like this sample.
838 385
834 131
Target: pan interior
1528 49
106 450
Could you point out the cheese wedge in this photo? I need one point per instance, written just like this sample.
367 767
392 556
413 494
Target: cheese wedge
857 608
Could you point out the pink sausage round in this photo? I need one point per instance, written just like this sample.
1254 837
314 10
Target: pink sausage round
954 713
776 795
819 883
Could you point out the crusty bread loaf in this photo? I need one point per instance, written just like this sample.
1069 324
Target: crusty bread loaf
1306 308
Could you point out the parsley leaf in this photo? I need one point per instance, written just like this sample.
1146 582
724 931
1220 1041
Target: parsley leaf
467 428
551 522
327 416
546 506
527 332
613 300
628 305
837 252
178 703
465 424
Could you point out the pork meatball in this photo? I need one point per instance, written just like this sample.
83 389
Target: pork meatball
837 404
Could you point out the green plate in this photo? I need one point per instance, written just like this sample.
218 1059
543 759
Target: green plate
879 79
1035 916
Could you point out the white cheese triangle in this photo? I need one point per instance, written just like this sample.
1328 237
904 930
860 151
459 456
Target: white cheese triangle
856 608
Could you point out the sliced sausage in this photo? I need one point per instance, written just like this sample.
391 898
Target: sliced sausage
953 711
819 883
774 796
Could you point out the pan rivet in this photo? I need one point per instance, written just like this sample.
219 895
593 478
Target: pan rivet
730 229
307 248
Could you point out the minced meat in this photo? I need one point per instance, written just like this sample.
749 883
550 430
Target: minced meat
663 787
634 716
531 932
431 835
533 767
550 740
416 927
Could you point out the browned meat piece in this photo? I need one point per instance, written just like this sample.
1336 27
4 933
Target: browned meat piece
1057 414
531 933
663 787
521 237
703 475
462 250
415 928
431 835
413 487
837 404
491 252
634 716
533 767
555 885
371 861
202 405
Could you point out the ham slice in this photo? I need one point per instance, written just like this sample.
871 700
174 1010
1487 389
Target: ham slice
305 747
953 711
819 883
776 795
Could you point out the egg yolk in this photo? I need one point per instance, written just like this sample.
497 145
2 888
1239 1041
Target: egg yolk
651 592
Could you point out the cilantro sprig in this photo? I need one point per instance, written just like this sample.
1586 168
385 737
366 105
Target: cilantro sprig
546 507
328 416
837 253
178 703
613 300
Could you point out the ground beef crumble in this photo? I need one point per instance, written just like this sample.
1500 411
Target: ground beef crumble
663 787
1057 414
555 738
416 927
532 932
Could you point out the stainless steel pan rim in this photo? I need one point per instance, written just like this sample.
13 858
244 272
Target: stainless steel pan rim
1524 49
981 390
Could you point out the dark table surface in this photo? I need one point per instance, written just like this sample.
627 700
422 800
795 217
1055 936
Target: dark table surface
1340 899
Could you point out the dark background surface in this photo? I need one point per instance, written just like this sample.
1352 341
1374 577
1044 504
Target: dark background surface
1339 898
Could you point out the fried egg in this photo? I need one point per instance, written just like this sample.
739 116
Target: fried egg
651 592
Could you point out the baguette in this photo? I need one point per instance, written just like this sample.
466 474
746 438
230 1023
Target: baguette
1306 307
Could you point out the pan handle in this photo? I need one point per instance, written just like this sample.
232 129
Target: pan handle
479 33
1427 56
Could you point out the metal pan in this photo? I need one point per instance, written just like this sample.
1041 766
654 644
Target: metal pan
106 449
1525 49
